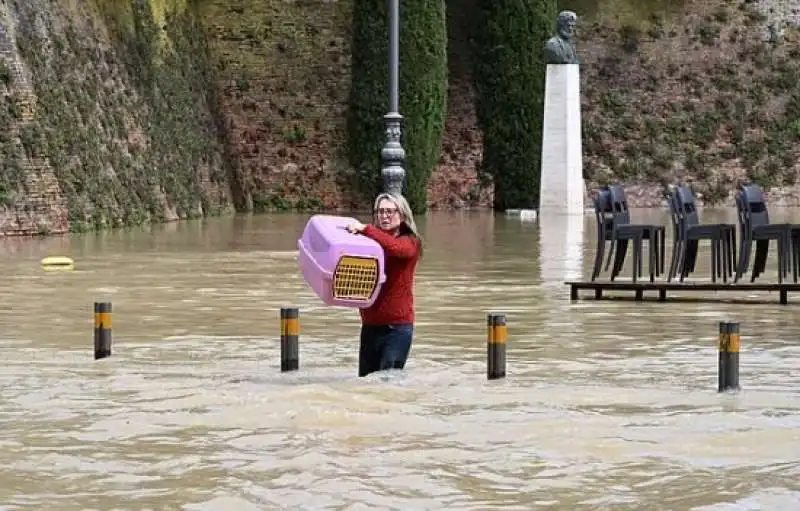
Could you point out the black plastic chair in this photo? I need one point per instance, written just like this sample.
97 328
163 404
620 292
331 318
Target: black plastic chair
795 252
603 214
689 232
755 227
676 237
622 231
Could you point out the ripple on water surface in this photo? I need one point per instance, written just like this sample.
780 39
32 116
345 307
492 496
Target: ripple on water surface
605 406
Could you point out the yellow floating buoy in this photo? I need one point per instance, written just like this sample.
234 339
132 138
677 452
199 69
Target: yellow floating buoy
53 263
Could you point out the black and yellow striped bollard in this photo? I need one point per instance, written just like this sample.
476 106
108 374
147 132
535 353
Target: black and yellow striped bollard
102 330
290 339
729 346
496 338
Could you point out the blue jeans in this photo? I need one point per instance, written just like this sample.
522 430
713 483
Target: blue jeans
384 347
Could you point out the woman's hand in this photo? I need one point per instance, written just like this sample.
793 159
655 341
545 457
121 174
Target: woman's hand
356 227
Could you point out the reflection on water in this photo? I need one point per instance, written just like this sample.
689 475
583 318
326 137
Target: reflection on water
608 405
561 246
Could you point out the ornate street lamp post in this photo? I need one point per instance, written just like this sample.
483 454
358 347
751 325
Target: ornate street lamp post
392 153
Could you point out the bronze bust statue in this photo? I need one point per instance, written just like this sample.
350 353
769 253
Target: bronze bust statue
560 49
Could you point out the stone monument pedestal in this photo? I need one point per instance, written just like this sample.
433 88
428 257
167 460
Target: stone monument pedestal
561 186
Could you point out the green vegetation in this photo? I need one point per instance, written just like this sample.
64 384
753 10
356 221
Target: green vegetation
12 178
670 120
128 129
423 93
135 131
509 82
279 203
622 12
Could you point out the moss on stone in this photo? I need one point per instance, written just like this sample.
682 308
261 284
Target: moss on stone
127 129
713 107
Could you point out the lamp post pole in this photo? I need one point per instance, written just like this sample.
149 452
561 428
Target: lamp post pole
392 153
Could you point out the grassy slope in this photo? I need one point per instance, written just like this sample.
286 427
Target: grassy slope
702 98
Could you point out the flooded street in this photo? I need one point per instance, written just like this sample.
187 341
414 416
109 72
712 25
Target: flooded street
606 404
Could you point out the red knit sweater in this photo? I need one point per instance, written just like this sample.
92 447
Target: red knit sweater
395 302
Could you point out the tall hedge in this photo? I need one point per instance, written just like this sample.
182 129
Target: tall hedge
423 92
509 76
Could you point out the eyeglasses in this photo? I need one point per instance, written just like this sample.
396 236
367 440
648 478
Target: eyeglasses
386 211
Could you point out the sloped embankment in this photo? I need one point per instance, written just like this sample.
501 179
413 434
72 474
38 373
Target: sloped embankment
108 116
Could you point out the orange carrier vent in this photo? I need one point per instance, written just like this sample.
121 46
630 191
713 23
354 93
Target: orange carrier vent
355 278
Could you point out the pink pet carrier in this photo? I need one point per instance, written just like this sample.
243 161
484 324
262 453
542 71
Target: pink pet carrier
342 268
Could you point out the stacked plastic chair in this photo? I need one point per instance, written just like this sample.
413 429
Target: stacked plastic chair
755 226
688 231
623 231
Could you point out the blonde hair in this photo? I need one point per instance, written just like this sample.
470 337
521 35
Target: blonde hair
403 208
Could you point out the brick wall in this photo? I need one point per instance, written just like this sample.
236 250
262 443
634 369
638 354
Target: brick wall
38 206
284 75
282 72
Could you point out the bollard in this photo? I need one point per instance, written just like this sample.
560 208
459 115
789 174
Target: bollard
290 339
102 330
729 345
496 346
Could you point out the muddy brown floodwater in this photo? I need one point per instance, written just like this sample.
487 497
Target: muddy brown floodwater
606 405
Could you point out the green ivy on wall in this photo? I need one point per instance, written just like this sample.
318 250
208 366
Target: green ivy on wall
127 129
